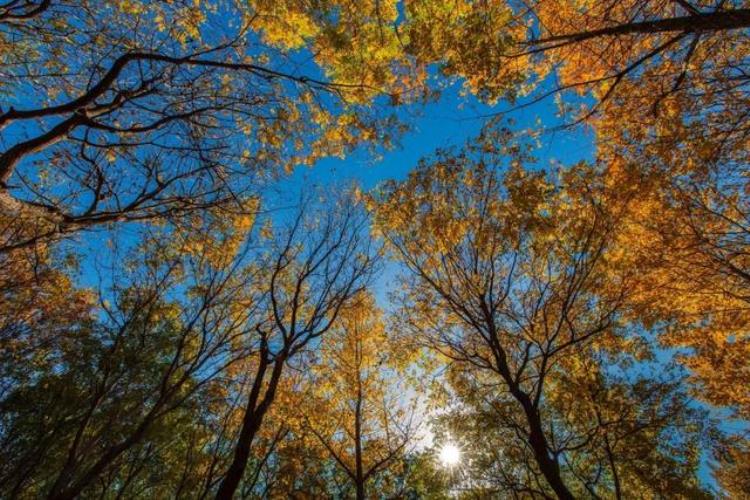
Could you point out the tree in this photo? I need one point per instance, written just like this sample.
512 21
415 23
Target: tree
688 238
511 276
38 298
655 69
315 266
358 412
117 112
624 434
116 381
663 83
193 318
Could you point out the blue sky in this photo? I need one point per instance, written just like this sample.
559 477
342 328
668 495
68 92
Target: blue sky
450 121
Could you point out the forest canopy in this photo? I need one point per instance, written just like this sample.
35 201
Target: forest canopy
192 306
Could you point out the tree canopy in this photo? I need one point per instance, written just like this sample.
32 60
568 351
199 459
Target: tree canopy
184 314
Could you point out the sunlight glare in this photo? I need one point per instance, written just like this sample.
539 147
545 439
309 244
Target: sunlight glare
450 455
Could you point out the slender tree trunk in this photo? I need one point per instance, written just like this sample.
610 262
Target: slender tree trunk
359 472
360 489
547 464
613 465
611 459
252 421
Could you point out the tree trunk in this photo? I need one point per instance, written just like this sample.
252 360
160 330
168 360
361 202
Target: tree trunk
359 467
714 21
547 465
252 421
359 472
360 489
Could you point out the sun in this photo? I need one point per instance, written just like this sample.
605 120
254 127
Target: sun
450 455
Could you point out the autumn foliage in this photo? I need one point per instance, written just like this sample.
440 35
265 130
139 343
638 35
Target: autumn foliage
176 322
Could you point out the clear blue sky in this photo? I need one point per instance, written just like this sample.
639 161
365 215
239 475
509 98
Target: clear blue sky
448 122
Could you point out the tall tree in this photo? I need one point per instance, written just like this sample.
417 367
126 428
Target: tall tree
688 237
113 381
648 68
316 265
359 412
511 275
625 432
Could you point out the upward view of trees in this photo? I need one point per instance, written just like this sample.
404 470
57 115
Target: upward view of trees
173 326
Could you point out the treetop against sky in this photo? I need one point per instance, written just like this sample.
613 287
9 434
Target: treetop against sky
259 248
